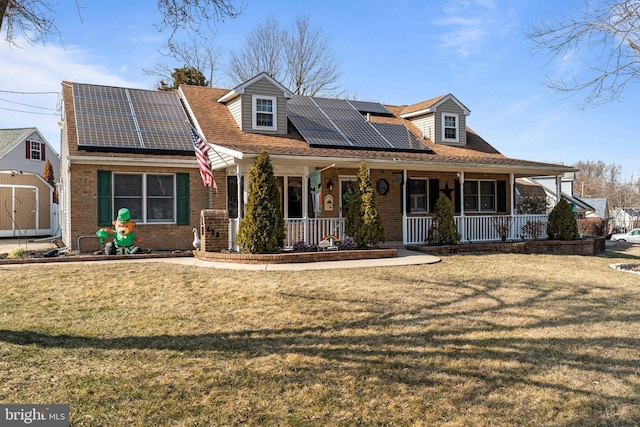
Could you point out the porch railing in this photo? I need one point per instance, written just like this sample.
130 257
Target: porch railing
481 228
310 230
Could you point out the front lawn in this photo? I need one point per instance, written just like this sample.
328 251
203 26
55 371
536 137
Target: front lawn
475 340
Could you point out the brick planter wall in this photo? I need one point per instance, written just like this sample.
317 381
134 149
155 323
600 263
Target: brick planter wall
214 230
295 257
588 246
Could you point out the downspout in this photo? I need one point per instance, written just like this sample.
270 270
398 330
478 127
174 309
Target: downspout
463 232
558 188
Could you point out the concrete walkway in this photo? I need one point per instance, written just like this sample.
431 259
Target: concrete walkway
405 257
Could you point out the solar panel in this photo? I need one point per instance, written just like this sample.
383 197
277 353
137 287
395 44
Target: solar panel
340 123
114 117
370 107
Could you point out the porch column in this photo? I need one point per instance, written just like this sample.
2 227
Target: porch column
463 231
305 203
405 240
512 181
558 188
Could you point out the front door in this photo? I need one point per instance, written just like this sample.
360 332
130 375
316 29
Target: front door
347 190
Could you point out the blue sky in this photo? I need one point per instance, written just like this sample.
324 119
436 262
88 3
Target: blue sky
394 52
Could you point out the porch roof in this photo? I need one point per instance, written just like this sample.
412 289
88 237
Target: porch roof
231 145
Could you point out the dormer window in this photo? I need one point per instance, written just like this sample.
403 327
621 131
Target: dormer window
264 112
450 127
35 151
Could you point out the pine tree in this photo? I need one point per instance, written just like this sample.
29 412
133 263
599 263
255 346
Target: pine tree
47 175
363 222
262 229
443 228
562 223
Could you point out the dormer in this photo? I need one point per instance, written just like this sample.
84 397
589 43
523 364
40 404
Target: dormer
259 105
442 119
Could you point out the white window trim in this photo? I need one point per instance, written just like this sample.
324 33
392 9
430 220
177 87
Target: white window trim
144 198
426 195
285 196
32 150
479 196
254 112
457 117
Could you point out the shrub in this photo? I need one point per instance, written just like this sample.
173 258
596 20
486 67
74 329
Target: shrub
16 253
363 220
533 230
562 224
443 228
591 226
262 229
348 243
502 224
531 205
301 246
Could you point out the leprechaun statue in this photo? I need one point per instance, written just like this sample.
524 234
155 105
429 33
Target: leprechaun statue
124 238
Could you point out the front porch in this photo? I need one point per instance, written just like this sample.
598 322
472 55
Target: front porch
480 228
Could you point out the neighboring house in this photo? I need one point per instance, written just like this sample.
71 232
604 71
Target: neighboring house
551 185
26 203
414 152
626 218
601 209
26 150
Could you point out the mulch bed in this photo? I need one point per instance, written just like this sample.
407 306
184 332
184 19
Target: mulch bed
38 257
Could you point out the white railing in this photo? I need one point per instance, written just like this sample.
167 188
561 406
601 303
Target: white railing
310 230
480 228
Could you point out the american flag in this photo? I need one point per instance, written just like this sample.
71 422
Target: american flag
202 148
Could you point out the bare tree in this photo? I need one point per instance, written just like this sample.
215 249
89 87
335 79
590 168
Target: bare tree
262 52
190 14
35 19
602 180
200 55
606 35
301 58
311 64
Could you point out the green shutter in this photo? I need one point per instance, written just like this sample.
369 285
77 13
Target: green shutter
502 195
105 201
434 193
182 199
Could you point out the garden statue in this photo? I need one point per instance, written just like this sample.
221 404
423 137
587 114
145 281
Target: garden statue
123 235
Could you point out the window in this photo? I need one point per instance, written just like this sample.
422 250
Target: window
291 187
480 196
149 197
232 196
450 127
264 112
35 150
417 195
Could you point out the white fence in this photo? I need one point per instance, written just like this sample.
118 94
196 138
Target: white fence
480 228
472 228
311 230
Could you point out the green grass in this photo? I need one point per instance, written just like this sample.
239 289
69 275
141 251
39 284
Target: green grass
474 340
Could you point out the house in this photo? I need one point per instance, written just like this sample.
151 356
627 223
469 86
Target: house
414 152
26 150
624 219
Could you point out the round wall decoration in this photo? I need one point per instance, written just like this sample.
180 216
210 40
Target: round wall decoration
382 186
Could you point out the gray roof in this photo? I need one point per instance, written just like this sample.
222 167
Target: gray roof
10 137
600 206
